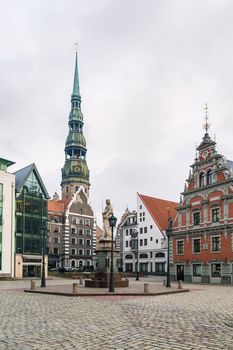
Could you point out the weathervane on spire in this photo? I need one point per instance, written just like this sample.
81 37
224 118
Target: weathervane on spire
76 47
206 125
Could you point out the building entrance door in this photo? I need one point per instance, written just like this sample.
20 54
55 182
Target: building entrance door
180 272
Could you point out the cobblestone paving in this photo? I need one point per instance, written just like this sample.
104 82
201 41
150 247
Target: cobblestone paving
201 319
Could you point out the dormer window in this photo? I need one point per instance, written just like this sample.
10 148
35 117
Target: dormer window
210 177
202 180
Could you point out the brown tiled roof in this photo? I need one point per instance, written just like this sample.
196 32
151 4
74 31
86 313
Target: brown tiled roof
160 209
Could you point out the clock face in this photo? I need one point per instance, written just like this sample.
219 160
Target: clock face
77 168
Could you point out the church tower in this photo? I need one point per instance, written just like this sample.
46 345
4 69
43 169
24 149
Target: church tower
75 171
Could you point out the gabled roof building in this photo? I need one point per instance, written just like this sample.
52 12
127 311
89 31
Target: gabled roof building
150 222
203 229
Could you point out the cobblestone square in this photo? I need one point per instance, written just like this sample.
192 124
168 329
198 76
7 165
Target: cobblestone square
200 319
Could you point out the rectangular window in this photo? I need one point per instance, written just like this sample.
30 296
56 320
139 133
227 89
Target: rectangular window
55 251
196 218
216 270
159 267
88 232
87 222
80 231
56 240
145 229
88 242
151 255
73 230
156 241
126 232
74 221
73 241
215 214
151 238
180 247
126 244
196 270
141 242
196 245
151 227
80 242
145 241
88 252
73 251
130 232
141 230
140 206
215 244
80 251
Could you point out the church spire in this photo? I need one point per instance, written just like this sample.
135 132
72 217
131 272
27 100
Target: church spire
75 172
76 91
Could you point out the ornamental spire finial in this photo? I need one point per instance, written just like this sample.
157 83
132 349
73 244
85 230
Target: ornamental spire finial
206 125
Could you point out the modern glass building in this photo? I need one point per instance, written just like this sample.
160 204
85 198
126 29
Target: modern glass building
31 215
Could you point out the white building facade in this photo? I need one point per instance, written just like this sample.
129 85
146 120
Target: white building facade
143 236
7 219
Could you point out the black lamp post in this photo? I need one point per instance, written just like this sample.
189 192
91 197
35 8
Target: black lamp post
112 224
169 234
135 246
44 230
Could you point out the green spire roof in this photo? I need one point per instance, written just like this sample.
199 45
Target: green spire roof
76 80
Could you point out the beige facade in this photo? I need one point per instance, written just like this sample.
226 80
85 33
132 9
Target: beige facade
7 222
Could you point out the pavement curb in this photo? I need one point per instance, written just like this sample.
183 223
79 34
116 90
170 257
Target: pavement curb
106 294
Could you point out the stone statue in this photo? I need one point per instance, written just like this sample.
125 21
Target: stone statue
108 211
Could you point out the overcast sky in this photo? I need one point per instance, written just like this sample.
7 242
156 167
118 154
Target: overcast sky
146 69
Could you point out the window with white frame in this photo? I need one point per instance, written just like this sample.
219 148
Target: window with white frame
180 247
215 213
196 217
202 179
210 177
73 251
196 270
88 232
216 244
73 241
196 245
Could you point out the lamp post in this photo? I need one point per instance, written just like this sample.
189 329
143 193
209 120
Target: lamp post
44 230
135 246
112 224
169 234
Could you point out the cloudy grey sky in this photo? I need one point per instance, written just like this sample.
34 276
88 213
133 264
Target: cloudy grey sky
146 69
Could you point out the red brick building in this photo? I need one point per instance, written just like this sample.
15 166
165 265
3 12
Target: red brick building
202 244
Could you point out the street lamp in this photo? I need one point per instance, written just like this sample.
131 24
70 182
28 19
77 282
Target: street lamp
44 230
112 224
169 234
135 246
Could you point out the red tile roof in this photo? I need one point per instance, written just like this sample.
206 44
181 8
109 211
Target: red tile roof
160 209
58 206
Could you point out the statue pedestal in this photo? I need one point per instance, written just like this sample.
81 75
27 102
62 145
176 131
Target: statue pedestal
102 276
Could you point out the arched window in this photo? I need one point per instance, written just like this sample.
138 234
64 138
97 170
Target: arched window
128 256
210 177
80 263
73 263
202 179
160 255
143 256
